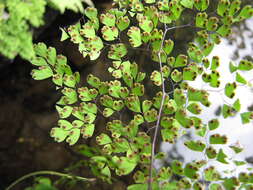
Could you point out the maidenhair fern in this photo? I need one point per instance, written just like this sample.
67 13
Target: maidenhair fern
16 19
128 144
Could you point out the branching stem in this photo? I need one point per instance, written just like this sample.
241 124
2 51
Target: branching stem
49 173
164 94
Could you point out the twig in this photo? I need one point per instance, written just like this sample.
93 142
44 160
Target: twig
164 94
159 114
49 173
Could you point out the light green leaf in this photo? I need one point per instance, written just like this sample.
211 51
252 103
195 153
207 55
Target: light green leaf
195 145
108 19
42 73
246 117
240 78
213 124
103 139
217 139
187 3
135 36
109 33
221 157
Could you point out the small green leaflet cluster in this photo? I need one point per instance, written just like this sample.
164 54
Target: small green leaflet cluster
76 102
15 35
16 19
125 144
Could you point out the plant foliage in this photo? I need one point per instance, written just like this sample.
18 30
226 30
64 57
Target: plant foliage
18 17
127 146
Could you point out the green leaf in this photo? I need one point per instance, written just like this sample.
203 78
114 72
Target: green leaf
223 7
211 152
151 115
168 46
189 74
169 135
245 65
213 124
230 183
194 108
246 12
239 163
145 23
108 112
176 167
198 186
133 103
103 139
230 89
195 145
217 139
224 30
42 73
109 33
201 132
232 67
59 134
164 173
236 148
211 174
176 75
215 63
64 35
77 123
234 7
187 3
108 19
201 5
88 30
146 105
86 94
195 53
237 105
91 12
246 117
191 170
73 137
240 79
221 157
40 49
243 177
122 23
181 61
93 81
156 78
69 80
117 51
39 61
65 111
212 23
201 19
227 111
135 36
87 130
179 98
125 166
182 118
